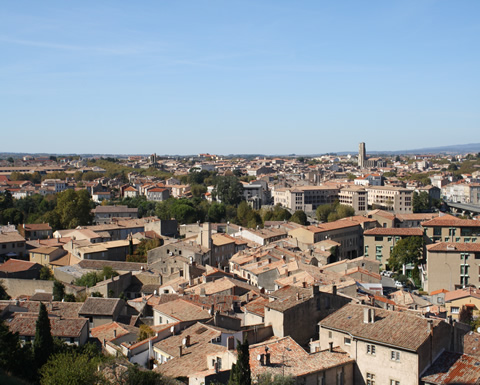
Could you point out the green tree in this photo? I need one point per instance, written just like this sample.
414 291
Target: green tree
465 315
267 378
198 190
45 273
323 211
299 217
421 202
43 343
229 190
240 373
73 208
145 332
11 359
70 368
69 298
408 250
216 212
58 290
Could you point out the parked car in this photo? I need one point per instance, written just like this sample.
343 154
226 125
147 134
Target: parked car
398 284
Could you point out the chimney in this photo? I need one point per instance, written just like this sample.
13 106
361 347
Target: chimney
297 296
267 359
366 315
430 326
294 279
334 289
187 341
202 292
330 349
304 284
180 350
231 343
114 333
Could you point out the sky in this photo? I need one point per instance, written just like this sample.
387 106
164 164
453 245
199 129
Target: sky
238 77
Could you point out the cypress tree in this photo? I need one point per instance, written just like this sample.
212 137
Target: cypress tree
240 373
43 344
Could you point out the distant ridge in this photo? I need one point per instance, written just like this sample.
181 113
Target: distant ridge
447 150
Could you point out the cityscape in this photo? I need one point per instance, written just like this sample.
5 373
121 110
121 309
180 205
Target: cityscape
322 270
240 192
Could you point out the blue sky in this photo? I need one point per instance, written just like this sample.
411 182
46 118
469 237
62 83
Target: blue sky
259 76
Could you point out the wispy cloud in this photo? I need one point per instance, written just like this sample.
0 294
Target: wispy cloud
102 50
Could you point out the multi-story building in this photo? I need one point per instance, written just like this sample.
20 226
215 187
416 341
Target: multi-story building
355 197
447 228
396 199
452 265
346 232
12 245
104 214
462 193
389 347
306 198
379 242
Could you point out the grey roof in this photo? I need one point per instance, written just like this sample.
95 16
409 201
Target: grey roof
100 306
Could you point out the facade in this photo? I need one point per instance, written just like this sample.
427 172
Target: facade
354 197
452 265
157 194
306 198
35 231
104 214
379 242
12 245
388 347
448 228
394 199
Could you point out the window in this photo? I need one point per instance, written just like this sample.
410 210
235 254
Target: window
455 310
371 349
437 231
394 355
394 382
370 379
330 334
347 341
378 238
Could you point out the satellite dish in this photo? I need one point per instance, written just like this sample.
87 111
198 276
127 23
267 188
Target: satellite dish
259 357
478 330
154 292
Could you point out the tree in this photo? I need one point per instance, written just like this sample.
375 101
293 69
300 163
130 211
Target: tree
145 332
73 208
267 378
45 273
240 373
420 202
408 250
229 190
43 343
70 368
58 290
299 217
216 212
323 211
465 315
10 360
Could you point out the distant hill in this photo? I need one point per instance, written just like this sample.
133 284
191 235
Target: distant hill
450 150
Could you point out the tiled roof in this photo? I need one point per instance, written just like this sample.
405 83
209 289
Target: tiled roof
37 226
462 293
297 362
183 310
395 231
70 327
454 247
399 329
193 357
114 209
107 331
471 344
257 306
451 221
11 236
286 297
16 265
100 306
220 285
453 368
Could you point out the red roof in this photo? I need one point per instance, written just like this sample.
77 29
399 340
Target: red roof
16 265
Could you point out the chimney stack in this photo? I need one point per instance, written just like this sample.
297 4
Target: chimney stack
330 349
334 289
180 350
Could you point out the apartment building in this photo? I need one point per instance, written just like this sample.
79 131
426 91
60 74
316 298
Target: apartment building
389 347
452 265
395 199
468 193
447 228
379 242
306 198
355 197
348 233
